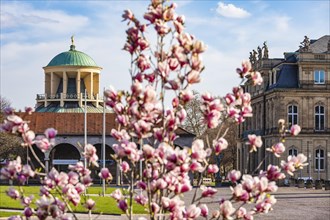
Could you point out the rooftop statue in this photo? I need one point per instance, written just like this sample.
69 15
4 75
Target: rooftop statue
251 58
305 45
72 39
254 56
265 48
259 53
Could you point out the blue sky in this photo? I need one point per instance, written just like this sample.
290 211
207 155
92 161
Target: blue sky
33 32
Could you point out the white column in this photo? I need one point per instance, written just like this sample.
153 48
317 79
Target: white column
78 82
92 90
65 83
52 84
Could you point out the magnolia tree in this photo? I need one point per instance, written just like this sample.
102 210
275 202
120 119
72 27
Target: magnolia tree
158 173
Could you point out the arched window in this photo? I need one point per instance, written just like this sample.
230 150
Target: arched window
319 118
292 115
293 152
319 159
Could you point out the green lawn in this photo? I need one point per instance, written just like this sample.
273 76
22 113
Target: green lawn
106 205
8 214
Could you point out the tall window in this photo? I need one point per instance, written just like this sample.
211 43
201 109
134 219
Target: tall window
292 114
319 159
319 77
293 152
319 118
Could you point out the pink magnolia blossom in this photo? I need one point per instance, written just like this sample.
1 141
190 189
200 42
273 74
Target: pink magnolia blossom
90 154
294 163
128 15
192 212
105 174
161 27
186 95
248 182
230 99
295 130
11 169
155 207
208 191
13 193
212 169
193 77
124 166
220 145
117 195
273 173
198 152
178 26
80 188
256 78
197 63
227 209
204 210
254 142
86 180
215 214
141 199
28 138
233 112
266 205
199 47
26 200
239 193
73 178
196 166
143 44
277 149
28 212
173 63
42 143
90 204
27 171
246 68
182 187
143 62
168 14
50 133
288 166
234 175
299 161
122 204
240 213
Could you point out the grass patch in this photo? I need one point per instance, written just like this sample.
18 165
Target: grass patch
105 205
8 214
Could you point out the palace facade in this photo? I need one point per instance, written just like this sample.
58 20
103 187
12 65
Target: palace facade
295 88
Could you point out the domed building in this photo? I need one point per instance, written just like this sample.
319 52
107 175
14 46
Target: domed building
69 76
73 105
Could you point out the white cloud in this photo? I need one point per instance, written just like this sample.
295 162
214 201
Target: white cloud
231 11
29 21
282 23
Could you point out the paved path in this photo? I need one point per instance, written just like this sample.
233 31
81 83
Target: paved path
292 203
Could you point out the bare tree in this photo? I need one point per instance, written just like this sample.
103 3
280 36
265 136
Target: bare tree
227 159
194 122
9 144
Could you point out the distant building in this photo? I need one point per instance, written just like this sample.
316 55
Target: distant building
296 88
67 76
